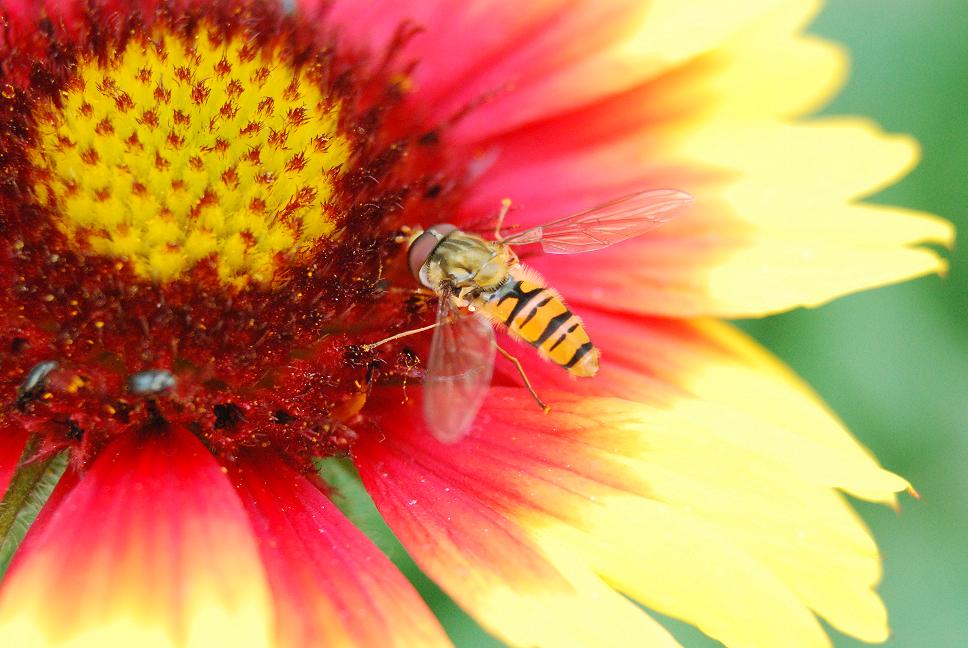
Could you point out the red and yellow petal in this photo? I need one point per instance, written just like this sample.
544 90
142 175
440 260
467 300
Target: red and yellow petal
525 593
695 475
727 542
659 38
151 548
726 387
776 222
525 59
331 586
499 50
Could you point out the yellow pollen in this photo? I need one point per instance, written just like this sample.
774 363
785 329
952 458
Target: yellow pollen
178 151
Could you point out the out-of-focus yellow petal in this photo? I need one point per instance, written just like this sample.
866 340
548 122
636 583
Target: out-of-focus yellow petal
760 279
590 615
824 161
803 243
729 538
680 565
673 31
211 627
728 389
801 531
770 69
723 451
668 34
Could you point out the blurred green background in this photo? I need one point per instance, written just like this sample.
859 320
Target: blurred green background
893 363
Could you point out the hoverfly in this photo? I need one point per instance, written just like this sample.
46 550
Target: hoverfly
481 282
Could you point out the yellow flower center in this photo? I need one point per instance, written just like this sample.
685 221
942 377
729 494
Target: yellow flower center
179 150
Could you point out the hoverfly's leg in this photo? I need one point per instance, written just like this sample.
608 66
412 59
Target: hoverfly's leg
505 206
373 345
406 290
524 376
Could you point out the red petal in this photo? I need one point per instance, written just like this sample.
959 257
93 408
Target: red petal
21 36
12 443
331 585
151 545
466 52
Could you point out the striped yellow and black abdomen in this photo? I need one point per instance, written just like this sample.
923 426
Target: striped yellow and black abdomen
538 315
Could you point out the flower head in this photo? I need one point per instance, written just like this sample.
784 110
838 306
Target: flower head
205 219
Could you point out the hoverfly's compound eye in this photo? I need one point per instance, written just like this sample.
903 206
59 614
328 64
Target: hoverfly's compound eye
422 246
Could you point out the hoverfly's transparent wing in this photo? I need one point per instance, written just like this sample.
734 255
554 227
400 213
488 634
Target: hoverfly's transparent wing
458 372
606 224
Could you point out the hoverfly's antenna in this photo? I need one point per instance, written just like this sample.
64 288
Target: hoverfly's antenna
524 376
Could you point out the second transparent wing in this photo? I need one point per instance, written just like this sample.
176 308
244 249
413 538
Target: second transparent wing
458 372
607 224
